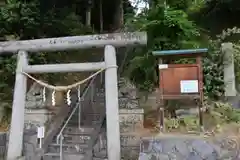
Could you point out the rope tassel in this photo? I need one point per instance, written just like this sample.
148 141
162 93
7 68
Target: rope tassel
79 93
44 94
53 98
68 97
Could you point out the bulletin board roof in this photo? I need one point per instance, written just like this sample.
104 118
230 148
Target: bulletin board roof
185 52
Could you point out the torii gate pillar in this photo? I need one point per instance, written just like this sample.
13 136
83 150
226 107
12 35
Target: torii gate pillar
19 95
111 98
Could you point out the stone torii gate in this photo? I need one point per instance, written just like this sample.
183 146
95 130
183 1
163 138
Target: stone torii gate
109 41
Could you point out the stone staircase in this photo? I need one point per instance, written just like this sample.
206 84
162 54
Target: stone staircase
87 141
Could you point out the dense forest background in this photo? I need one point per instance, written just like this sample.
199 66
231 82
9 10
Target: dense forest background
170 24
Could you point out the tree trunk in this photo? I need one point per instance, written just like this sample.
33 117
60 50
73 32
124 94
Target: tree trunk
118 20
88 17
88 13
101 16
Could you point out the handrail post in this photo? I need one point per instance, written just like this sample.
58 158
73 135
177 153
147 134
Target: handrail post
111 98
101 78
79 114
61 150
92 93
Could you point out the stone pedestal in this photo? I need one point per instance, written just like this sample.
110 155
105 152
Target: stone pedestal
229 74
37 116
36 111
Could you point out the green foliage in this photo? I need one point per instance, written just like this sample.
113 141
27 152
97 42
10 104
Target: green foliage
171 123
195 6
226 112
213 71
19 19
216 15
181 4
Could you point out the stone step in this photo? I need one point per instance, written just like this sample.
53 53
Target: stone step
85 122
89 122
68 148
92 116
90 110
95 158
92 123
66 156
52 154
78 131
101 154
76 139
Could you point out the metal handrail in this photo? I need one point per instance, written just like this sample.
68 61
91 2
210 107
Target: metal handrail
74 110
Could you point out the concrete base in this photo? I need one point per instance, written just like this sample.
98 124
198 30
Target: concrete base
232 100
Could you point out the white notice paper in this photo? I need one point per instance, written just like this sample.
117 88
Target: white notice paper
189 86
40 132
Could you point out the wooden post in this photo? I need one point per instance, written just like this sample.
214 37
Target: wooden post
200 104
112 113
15 144
160 101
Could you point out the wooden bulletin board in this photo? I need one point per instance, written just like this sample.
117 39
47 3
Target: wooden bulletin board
180 80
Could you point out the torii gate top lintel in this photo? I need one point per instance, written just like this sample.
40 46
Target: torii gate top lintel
75 42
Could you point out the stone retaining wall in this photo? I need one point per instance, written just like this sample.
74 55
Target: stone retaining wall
3 145
130 120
